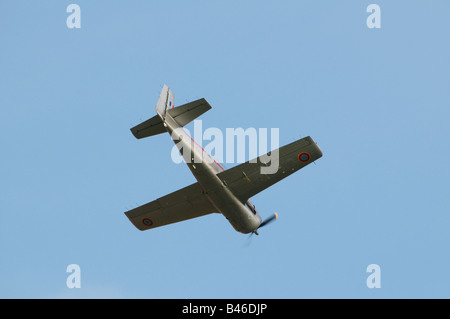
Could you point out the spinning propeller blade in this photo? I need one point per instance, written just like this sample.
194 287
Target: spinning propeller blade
268 220
264 223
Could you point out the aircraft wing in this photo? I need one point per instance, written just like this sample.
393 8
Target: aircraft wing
186 203
246 180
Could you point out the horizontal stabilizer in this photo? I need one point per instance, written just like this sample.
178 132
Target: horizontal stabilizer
148 128
182 114
188 112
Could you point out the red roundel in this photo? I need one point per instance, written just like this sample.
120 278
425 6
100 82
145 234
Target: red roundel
147 222
303 157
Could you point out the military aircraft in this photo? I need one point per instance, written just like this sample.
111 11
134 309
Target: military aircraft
217 190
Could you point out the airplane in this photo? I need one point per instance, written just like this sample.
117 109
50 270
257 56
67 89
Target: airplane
217 190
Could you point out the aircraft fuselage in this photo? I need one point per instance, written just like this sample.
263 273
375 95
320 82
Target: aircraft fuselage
242 216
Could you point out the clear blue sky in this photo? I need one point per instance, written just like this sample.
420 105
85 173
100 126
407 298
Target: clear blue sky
376 100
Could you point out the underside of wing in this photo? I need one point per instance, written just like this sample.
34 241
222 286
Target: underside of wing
186 203
247 179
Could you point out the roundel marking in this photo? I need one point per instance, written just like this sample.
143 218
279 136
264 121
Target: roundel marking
147 222
303 157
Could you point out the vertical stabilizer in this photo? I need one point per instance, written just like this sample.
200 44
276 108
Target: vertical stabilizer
165 102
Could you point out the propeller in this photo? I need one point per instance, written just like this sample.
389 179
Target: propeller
268 220
264 223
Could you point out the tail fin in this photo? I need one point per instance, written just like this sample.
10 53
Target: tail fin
182 114
165 102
